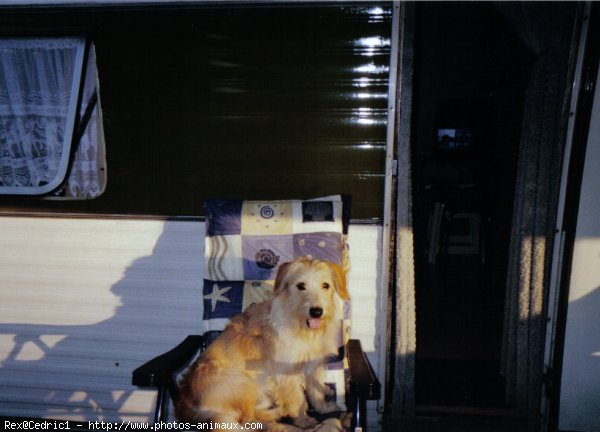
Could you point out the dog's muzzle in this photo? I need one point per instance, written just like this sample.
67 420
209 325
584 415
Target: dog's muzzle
314 322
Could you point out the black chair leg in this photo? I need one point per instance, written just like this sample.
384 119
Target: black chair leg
161 412
359 416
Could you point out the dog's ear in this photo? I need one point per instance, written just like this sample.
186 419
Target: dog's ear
339 276
282 272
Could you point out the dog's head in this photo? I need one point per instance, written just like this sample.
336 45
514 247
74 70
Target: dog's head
308 289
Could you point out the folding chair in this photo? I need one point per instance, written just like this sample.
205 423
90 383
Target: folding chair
245 242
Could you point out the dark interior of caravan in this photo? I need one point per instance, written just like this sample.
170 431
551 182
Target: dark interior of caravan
470 83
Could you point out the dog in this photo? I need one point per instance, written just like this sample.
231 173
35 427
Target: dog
269 362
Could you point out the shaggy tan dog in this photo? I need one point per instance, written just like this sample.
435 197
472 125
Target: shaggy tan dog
271 358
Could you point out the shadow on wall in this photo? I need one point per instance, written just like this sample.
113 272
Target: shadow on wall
83 372
580 389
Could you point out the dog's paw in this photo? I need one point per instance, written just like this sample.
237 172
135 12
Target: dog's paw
305 422
331 425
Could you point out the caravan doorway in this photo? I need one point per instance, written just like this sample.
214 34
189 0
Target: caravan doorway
471 74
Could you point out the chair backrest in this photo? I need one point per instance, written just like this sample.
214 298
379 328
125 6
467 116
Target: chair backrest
246 241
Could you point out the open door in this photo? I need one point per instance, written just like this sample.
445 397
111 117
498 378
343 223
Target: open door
488 134
571 331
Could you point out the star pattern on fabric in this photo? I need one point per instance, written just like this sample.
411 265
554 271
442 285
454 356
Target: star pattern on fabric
217 295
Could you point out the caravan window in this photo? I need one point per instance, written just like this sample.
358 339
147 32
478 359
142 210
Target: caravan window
51 140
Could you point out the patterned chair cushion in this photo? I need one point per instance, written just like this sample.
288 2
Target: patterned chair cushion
246 241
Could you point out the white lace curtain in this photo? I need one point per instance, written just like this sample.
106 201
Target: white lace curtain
36 91
87 177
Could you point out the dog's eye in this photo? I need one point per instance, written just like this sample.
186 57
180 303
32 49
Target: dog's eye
301 286
325 285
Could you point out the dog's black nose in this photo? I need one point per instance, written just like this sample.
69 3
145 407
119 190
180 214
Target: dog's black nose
316 312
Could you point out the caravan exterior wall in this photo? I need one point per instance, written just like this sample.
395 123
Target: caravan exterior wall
86 301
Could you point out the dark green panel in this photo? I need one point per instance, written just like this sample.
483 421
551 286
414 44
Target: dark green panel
253 102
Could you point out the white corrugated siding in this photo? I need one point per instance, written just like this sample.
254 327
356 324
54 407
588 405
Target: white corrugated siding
83 302
364 243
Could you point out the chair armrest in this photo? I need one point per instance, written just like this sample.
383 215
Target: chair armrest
363 382
158 371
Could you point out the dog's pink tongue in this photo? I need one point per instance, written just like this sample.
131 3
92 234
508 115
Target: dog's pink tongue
314 323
